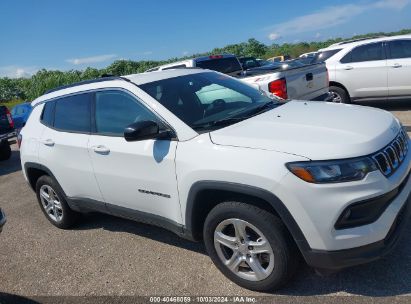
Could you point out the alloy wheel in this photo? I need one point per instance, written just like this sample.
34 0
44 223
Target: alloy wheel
51 203
244 249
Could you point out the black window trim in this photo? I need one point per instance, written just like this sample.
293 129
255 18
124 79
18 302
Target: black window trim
384 52
92 92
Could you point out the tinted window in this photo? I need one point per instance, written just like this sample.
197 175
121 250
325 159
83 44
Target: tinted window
368 52
115 110
47 117
223 65
400 49
72 113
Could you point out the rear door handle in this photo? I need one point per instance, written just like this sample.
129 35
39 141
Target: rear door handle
348 68
396 65
48 142
101 149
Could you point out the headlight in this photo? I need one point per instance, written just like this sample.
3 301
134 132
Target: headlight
334 171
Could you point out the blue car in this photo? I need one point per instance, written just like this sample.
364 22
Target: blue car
20 114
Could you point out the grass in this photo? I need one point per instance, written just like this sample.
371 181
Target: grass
11 104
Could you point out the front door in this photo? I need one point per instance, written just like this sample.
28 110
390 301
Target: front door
133 176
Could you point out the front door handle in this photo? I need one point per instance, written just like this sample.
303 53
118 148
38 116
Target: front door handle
348 67
101 149
396 65
48 142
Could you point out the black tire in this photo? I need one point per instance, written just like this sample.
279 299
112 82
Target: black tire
69 217
285 252
5 151
339 95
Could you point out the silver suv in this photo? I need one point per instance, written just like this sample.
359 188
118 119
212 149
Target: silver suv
369 69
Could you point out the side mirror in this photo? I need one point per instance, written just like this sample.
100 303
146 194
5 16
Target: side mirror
142 130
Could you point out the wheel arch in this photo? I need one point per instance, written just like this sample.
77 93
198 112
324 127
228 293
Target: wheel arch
34 171
204 195
340 85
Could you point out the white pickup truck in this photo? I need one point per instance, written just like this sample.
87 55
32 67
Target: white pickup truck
304 82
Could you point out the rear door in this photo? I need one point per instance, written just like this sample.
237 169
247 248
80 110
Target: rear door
63 145
399 68
363 71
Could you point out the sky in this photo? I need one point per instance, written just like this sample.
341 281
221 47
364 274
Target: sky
75 34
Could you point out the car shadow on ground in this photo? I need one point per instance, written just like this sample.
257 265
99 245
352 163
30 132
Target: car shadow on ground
116 224
11 165
390 276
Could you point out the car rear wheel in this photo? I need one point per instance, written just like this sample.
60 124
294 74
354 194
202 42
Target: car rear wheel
250 246
5 151
339 95
53 203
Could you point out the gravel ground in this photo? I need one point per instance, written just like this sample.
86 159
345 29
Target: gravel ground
110 256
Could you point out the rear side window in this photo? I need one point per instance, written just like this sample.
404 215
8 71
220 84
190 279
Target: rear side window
47 117
223 65
368 52
115 110
72 113
399 49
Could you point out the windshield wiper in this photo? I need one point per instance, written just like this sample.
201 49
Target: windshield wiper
231 120
220 122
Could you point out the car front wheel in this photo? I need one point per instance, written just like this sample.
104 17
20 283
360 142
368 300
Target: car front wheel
250 246
339 95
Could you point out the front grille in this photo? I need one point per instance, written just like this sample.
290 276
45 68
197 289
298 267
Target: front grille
390 158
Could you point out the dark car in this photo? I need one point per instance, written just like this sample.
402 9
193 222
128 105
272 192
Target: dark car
2 219
7 131
20 114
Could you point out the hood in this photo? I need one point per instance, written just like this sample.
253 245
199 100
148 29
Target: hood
316 130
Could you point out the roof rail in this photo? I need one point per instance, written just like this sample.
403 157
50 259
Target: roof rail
103 78
359 39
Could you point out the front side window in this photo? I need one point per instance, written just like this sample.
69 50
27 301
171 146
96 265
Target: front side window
400 49
368 52
204 100
72 113
115 110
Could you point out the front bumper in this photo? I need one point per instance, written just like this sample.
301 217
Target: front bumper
339 259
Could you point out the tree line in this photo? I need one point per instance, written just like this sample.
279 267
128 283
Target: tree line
43 80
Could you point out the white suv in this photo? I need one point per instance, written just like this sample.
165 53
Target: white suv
369 69
209 157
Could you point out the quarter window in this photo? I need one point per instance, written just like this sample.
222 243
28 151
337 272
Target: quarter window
400 49
368 52
115 110
47 117
72 113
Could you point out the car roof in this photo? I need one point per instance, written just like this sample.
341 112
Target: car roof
137 79
355 42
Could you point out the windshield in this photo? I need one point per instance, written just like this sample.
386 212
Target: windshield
207 100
